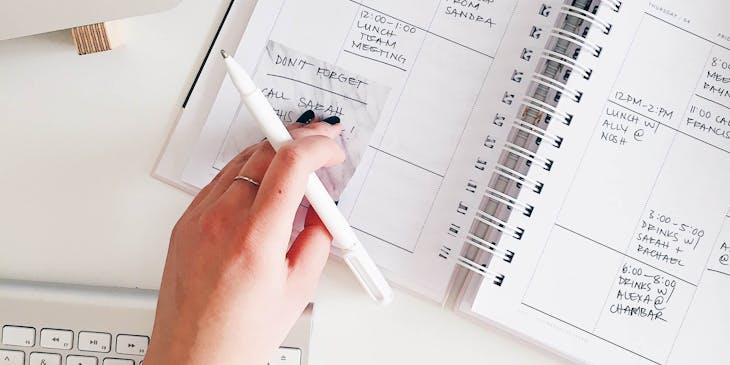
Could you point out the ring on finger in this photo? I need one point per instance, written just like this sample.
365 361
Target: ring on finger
247 179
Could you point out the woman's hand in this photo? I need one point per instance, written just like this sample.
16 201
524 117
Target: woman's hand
231 290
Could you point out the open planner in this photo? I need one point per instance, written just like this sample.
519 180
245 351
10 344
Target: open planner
558 169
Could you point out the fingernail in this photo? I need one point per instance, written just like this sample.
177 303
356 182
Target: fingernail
332 120
306 117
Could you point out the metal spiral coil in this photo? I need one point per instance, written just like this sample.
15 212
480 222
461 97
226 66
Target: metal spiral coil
615 4
531 123
587 16
480 270
558 86
578 40
568 62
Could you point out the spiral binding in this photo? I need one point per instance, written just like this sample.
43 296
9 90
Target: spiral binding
506 255
546 108
568 62
578 40
519 124
558 86
508 201
518 178
510 174
480 269
615 4
587 16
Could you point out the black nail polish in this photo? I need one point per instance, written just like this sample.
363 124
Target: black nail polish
332 120
306 117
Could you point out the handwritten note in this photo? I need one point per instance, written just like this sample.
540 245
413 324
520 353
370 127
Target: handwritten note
663 239
716 83
642 293
723 257
294 83
384 39
620 127
719 261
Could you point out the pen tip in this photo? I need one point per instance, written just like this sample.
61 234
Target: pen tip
224 54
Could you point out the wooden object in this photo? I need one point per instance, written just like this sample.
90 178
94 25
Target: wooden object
94 38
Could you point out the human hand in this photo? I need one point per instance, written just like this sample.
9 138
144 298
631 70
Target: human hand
231 290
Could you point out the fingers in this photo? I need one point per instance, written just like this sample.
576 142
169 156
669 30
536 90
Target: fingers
241 194
308 254
285 182
306 118
306 124
211 192
316 128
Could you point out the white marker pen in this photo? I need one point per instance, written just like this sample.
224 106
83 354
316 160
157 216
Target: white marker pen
355 256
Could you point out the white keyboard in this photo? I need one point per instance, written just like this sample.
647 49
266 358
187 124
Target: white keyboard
54 324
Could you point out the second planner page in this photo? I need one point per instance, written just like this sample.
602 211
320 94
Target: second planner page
633 267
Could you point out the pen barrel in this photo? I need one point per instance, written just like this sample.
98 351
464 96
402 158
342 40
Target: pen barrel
343 235
318 196
369 275
267 120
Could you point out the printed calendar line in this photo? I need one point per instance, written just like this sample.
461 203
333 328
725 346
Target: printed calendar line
625 255
382 239
373 59
719 272
318 88
406 161
687 31
712 101
590 333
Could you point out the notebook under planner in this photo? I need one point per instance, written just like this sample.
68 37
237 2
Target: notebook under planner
559 169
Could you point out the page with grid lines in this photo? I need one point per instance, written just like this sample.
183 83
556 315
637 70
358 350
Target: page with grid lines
626 258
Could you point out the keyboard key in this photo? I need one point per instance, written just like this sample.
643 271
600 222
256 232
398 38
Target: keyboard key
19 336
57 339
12 357
117 362
95 341
132 345
287 356
40 358
81 360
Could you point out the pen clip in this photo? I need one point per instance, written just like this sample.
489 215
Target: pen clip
368 274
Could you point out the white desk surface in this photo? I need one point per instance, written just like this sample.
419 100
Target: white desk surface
79 136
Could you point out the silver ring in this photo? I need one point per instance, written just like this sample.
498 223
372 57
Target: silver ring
247 179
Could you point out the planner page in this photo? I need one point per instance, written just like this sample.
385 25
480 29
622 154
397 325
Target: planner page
434 56
625 260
